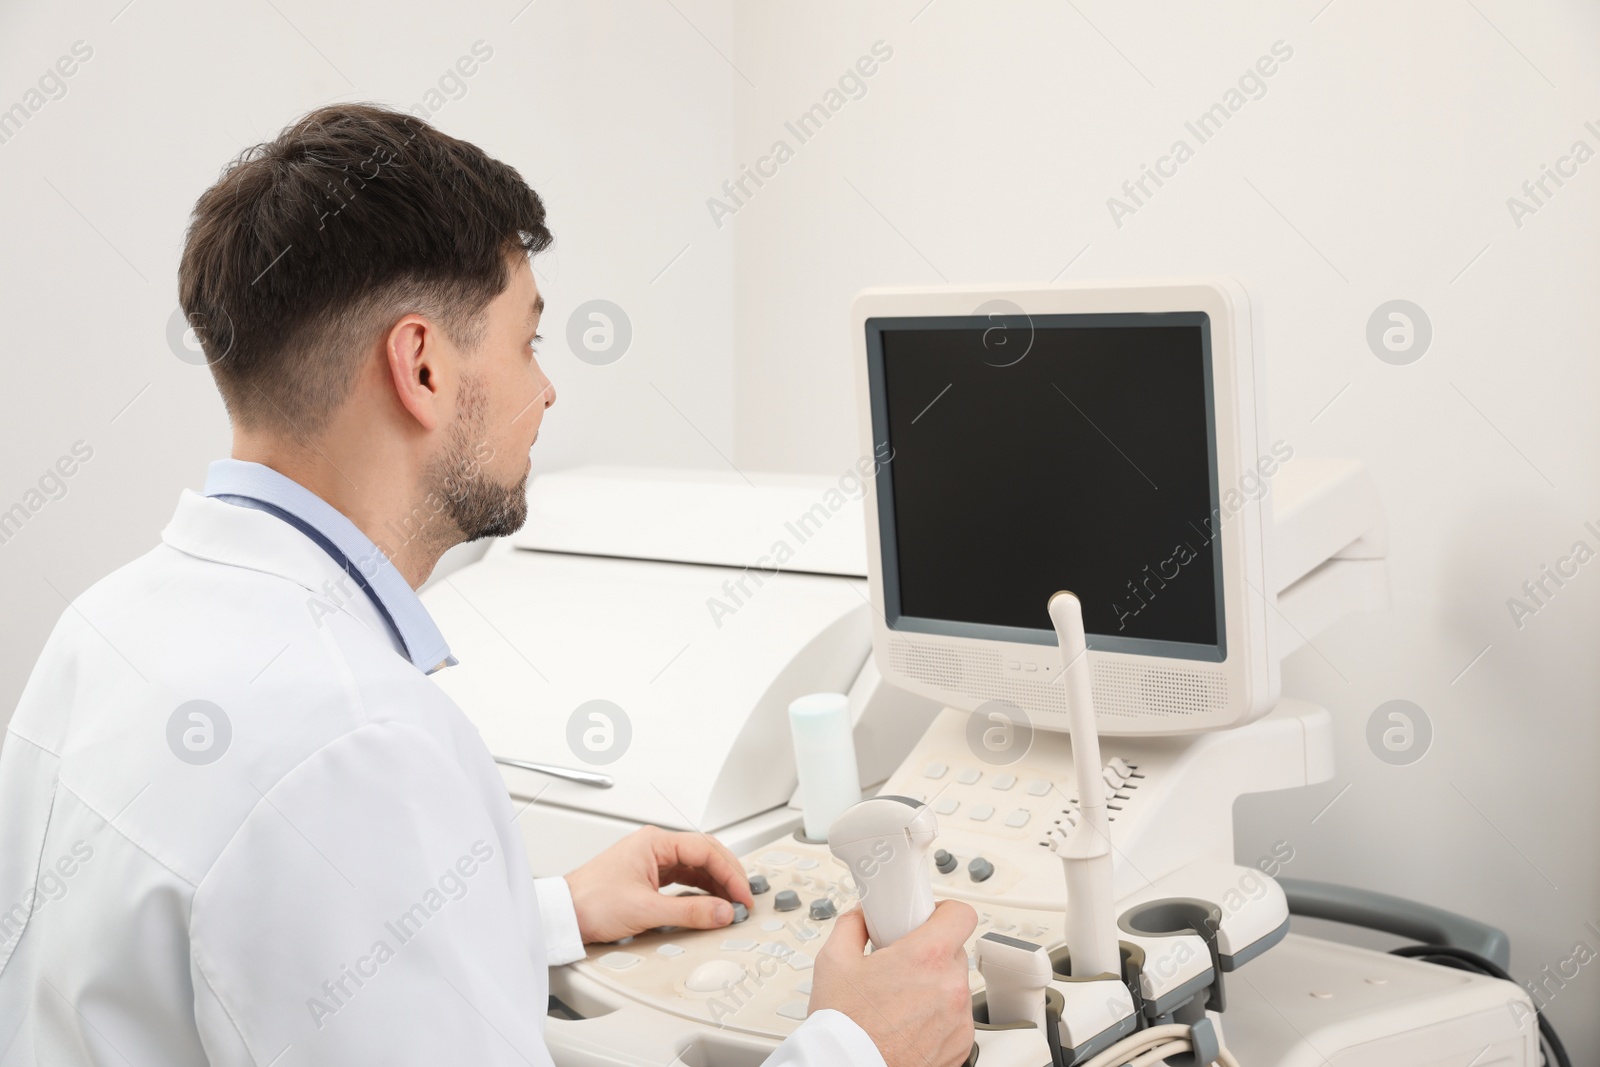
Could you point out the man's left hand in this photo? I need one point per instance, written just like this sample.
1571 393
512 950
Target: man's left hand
618 893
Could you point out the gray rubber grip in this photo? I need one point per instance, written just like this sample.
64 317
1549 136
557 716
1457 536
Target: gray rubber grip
1396 915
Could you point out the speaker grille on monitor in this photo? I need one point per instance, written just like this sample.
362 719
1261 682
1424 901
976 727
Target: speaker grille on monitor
1121 689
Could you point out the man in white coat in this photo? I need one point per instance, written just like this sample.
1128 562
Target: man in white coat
239 824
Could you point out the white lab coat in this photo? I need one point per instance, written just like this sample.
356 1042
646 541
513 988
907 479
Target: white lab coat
344 885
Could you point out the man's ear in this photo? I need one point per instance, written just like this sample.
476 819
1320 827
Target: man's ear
412 351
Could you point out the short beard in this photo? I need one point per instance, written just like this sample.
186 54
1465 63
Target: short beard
472 501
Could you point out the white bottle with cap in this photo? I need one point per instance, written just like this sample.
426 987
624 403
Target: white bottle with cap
825 759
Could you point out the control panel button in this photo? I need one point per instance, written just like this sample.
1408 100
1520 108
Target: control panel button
980 869
807 864
1037 787
980 812
669 950
772 925
934 770
968 776
737 944
794 1009
1003 781
943 862
778 859
740 913
618 961
786 900
804 988
711 976
1121 766
1112 778
823 909
1017 819
774 948
799 961
947 806
759 884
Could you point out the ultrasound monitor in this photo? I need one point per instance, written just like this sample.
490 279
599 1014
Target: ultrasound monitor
1086 438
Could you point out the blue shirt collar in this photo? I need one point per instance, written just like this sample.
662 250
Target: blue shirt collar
258 486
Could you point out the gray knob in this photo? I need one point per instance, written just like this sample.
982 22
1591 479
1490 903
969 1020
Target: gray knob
758 884
823 909
786 900
740 913
943 862
980 869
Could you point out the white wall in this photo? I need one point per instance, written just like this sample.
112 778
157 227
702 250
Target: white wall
1377 166
596 104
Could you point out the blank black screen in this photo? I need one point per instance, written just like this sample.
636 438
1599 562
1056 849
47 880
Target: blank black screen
1088 464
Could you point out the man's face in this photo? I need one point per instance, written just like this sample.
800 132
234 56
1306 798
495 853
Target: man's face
482 471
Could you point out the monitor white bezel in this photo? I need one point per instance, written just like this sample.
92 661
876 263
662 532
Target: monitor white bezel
1248 669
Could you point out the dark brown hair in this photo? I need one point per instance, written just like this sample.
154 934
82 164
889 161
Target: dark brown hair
310 246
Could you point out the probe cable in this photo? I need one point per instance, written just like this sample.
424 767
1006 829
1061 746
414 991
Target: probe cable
1152 1046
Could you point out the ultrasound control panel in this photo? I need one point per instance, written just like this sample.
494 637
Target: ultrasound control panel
998 824
755 975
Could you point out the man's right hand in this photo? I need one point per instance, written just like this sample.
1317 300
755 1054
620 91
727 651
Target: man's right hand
911 998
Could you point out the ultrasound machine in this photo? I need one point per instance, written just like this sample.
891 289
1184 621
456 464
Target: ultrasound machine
1084 560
